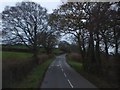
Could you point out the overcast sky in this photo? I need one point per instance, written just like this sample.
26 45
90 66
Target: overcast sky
48 4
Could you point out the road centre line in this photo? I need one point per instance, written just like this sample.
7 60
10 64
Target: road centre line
65 75
68 80
60 64
70 83
62 70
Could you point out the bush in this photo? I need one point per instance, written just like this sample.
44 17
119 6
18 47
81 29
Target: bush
15 49
16 71
76 57
16 66
111 68
42 58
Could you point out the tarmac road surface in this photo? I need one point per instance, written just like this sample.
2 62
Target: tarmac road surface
61 75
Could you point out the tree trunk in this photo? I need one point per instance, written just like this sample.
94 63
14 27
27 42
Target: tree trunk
106 48
91 62
106 45
116 42
116 47
48 51
35 56
98 58
35 49
81 52
83 45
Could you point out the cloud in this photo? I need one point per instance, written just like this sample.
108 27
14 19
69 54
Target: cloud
48 4
31 0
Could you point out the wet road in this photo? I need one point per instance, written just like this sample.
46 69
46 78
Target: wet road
61 75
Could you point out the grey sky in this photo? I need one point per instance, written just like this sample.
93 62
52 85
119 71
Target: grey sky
48 4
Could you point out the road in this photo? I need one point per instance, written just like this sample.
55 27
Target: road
61 75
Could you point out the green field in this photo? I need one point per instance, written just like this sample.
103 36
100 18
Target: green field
15 46
12 55
17 60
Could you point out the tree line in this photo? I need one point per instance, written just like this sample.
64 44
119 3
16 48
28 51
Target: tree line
96 30
95 27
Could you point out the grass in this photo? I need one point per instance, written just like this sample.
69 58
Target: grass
77 66
30 76
73 63
96 80
35 77
10 58
0 54
14 55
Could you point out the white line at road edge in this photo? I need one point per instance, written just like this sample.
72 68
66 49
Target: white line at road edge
70 83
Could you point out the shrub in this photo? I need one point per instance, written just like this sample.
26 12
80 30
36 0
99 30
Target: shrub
42 58
75 56
15 71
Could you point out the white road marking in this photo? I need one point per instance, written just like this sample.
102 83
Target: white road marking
65 75
70 83
62 70
59 62
60 65
57 65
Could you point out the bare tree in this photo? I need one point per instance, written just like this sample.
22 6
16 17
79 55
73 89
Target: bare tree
24 21
48 40
68 19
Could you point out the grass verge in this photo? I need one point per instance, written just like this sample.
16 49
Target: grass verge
35 77
77 66
96 80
